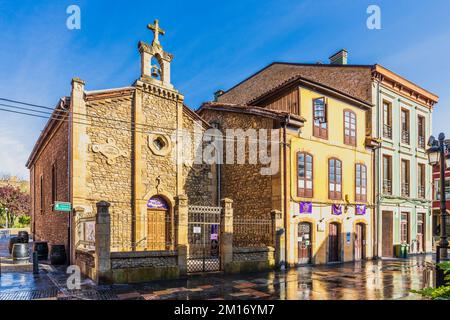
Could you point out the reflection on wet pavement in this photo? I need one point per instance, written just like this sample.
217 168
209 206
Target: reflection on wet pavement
371 280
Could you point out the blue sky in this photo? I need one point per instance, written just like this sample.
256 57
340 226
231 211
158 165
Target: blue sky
215 43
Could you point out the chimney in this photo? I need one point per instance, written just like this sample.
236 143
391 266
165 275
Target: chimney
217 94
339 57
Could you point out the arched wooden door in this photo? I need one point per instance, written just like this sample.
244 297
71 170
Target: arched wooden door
159 224
360 242
334 248
304 243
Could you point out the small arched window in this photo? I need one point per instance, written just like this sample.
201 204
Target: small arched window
349 127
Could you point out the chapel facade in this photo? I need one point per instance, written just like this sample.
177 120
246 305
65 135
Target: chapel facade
123 146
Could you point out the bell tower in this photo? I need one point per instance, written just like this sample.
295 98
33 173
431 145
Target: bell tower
155 62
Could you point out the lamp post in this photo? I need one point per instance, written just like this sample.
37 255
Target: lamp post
437 155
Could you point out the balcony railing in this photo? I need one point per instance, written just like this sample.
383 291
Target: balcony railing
421 192
387 131
421 142
405 136
387 186
405 189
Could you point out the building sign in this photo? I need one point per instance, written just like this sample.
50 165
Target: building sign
305 207
157 203
360 209
63 206
336 209
197 230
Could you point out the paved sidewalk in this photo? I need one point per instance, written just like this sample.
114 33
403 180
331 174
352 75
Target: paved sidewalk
371 280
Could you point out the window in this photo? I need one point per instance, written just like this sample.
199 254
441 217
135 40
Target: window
350 128
437 189
405 178
54 183
421 177
304 175
421 132
320 129
41 190
387 174
405 126
404 227
361 182
334 179
387 120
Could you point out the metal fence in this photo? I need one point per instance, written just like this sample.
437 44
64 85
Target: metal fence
252 232
155 231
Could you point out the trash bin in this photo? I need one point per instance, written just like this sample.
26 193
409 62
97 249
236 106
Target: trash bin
398 250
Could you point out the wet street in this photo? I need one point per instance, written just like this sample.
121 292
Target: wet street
371 280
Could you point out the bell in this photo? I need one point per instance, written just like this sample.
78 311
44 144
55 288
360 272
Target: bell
155 72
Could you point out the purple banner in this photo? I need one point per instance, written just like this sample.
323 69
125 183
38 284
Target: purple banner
214 232
157 203
360 209
305 207
336 209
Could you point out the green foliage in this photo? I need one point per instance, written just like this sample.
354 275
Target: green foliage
441 293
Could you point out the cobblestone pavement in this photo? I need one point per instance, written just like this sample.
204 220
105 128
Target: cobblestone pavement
371 280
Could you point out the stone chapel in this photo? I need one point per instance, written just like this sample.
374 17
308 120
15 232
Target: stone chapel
123 146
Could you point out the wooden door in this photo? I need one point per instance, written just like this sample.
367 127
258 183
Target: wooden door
360 242
158 229
304 243
387 238
420 232
333 243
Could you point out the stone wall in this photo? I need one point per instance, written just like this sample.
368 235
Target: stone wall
111 179
49 225
253 259
199 180
85 260
129 267
250 190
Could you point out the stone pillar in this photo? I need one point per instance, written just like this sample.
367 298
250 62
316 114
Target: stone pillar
226 235
181 216
279 240
103 243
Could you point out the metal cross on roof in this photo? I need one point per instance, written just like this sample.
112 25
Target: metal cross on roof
156 31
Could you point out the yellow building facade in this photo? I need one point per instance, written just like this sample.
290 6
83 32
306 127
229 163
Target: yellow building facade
329 216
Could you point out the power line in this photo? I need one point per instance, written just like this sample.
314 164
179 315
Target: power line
65 118
81 114
81 120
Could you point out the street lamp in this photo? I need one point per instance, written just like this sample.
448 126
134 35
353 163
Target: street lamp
437 155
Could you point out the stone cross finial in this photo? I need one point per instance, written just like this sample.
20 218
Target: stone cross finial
156 31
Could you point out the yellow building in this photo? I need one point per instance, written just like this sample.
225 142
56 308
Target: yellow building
329 196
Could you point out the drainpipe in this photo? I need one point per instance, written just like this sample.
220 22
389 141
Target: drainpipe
378 174
286 204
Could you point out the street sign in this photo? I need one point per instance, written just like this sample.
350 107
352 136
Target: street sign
63 206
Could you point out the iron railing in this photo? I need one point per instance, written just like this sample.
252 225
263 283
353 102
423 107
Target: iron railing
405 189
387 131
154 231
421 142
421 192
252 232
405 136
387 186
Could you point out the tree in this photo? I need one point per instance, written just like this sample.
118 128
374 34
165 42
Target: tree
14 204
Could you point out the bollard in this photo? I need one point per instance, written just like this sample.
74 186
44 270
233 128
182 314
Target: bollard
35 263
